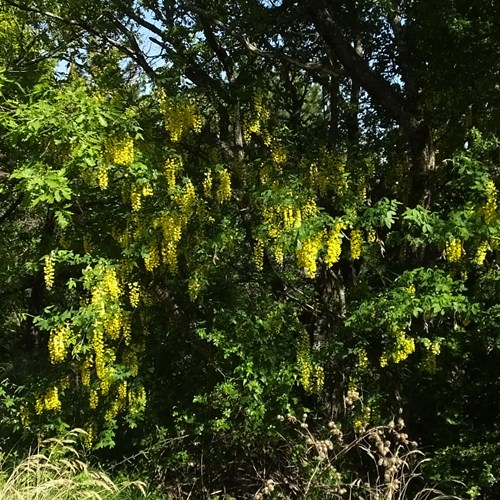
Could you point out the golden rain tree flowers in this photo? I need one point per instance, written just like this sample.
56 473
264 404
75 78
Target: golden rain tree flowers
307 252
136 198
334 244
454 250
102 177
311 375
49 401
481 252
490 207
120 151
134 294
356 242
48 271
258 255
179 116
172 169
224 189
58 343
194 286
400 351
208 184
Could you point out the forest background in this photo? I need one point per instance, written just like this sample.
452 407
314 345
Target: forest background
253 245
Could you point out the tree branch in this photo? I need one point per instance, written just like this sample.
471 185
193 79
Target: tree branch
379 89
254 49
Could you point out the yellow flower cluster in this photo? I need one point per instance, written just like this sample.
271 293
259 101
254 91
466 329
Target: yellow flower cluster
120 152
89 437
137 401
490 207
361 423
187 201
281 218
93 399
112 325
278 253
454 250
251 126
135 198
481 253
172 226
126 329
85 372
121 392
111 284
363 361
147 190
129 359
112 411
152 258
24 415
98 348
48 271
179 116
172 168
334 244
109 321
224 189
207 184
404 346
278 153
102 177
362 189
310 209
58 343
435 348
258 113
134 294
307 252
194 286
356 242
258 255
312 376
50 401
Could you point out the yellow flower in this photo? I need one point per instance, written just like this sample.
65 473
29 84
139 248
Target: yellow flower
102 178
207 184
307 254
152 258
134 294
454 250
490 207
48 272
194 287
224 189
356 241
51 400
120 152
481 253
93 399
258 255
334 245
135 198
58 343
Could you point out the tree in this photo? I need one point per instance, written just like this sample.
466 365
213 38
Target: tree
251 217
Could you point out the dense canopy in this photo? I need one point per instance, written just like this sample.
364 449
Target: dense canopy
217 216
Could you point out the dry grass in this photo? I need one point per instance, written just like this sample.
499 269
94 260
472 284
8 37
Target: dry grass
57 471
